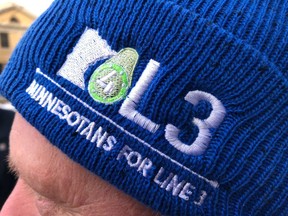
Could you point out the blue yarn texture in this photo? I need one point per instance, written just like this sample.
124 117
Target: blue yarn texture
235 50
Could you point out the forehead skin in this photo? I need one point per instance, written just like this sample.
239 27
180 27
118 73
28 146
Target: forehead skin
60 185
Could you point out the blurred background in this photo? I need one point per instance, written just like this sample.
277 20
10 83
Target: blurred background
15 18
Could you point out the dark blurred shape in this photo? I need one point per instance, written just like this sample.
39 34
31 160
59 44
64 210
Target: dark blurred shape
7 180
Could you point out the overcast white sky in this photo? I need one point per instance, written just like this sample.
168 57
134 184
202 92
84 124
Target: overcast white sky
34 6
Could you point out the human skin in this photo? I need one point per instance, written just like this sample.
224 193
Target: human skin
51 184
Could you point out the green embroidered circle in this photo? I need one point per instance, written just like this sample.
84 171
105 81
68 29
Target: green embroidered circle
109 83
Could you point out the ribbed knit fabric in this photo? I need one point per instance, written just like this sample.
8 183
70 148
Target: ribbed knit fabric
234 50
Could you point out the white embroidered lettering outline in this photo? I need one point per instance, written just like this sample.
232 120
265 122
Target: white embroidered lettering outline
202 141
128 108
199 146
212 183
92 48
169 182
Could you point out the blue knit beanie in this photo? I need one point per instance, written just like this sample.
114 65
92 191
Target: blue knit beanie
181 104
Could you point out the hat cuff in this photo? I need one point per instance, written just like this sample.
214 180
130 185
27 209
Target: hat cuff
194 54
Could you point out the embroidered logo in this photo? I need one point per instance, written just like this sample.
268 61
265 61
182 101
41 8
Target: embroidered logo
110 82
